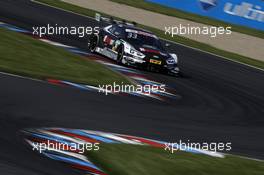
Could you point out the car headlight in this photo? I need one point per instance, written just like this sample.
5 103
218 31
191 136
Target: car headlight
173 59
136 54
170 61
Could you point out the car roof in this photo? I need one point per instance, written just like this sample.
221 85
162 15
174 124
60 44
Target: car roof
131 27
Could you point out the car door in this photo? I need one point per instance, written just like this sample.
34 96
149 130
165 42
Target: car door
114 33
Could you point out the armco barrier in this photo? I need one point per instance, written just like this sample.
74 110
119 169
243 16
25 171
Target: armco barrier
249 13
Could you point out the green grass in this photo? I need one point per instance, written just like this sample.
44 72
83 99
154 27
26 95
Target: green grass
160 33
23 55
122 159
189 16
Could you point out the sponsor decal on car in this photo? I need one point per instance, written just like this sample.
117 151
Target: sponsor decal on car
155 61
108 40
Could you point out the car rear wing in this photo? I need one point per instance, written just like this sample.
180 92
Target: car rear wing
99 18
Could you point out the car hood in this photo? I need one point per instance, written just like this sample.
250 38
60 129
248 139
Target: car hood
153 53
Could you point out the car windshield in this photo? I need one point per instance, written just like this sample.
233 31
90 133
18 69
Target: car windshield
143 39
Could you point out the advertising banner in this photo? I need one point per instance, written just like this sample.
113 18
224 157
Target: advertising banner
249 13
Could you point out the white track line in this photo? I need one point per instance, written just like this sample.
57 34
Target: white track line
19 76
56 43
37 2
210 53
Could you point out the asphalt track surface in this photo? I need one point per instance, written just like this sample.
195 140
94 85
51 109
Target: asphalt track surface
221 101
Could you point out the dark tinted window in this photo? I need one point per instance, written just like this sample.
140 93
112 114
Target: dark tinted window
143 40
117 31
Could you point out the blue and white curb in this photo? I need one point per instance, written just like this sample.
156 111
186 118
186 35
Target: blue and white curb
64 136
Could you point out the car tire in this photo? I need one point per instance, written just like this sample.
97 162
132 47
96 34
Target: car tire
174 74
92 43
120 54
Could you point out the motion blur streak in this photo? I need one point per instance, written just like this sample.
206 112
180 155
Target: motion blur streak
221 101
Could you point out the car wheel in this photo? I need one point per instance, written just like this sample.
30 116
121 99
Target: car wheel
120 54
174 74
92 43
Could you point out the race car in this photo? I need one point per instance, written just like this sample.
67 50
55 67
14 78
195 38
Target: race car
133 46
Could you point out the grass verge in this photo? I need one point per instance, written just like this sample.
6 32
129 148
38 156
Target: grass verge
23 55
122 159
160 33
189 16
